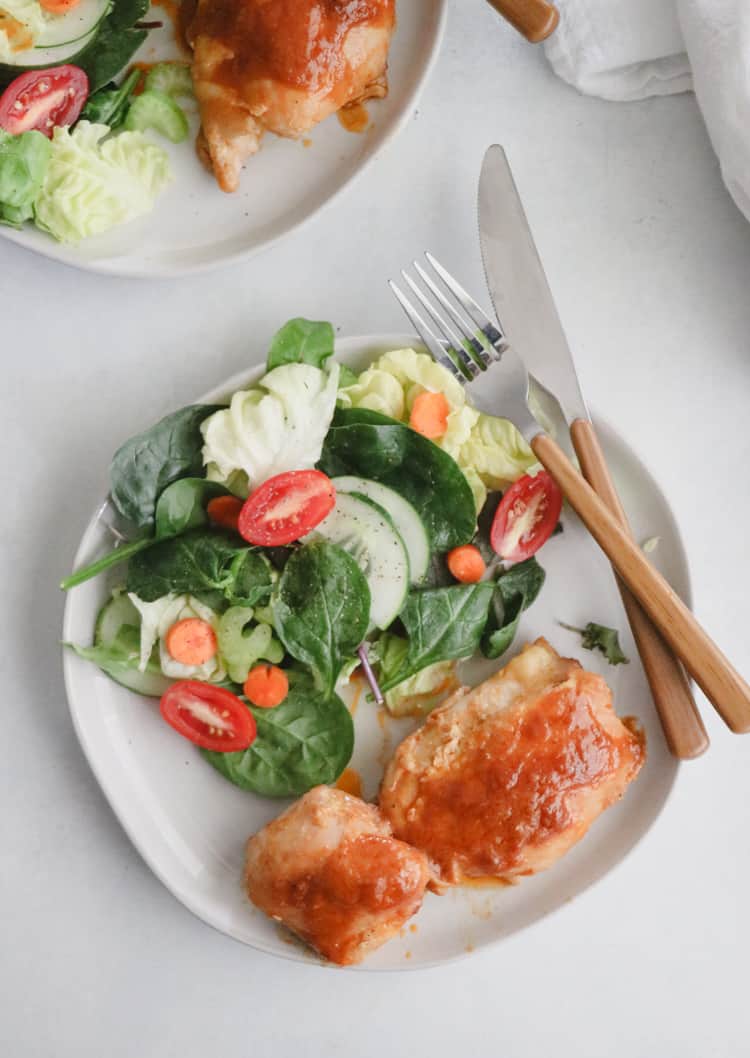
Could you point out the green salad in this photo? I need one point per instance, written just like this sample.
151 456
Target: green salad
76 157
320 526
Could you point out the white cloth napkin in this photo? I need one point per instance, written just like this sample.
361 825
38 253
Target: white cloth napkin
631 49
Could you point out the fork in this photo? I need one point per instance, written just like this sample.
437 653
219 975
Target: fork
463 339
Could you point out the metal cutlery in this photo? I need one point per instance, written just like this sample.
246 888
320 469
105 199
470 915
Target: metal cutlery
523 301
476 352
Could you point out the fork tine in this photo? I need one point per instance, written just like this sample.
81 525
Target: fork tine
494 336
426 333
481 354
456 346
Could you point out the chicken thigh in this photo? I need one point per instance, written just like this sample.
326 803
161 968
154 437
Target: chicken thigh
503 779
329 869
281 66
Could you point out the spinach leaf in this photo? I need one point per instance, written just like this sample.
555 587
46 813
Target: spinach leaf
182 506
515 591
371 445
441 624
301 342
143 467
321 610
601 638
200 562
114 44
252 581
347 377
305 741
110 104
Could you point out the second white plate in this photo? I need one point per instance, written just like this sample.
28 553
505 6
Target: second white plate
195 226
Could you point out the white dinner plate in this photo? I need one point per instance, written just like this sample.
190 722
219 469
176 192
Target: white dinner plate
195 226
190 824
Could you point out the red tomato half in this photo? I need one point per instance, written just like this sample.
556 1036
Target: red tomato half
42 99
286 507
526 517
212 717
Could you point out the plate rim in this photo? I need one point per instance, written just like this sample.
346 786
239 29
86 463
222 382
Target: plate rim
346 344
16 237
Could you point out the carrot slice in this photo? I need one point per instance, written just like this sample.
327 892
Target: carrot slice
191 641
429 415
224 511
266 686
59 7
466 564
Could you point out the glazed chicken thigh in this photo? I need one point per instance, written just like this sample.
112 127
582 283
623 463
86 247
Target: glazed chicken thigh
281 66
329 869
503 779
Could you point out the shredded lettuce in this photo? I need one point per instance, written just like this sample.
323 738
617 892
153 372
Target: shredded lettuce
93 184
23 162
489 450
278 425
158 617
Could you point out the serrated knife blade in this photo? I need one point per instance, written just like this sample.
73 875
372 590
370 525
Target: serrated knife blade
519 289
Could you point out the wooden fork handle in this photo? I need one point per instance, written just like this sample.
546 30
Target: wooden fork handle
670 688
535 19
711 670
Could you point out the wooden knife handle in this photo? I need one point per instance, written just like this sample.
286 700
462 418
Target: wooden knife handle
725 689
535 19
682 723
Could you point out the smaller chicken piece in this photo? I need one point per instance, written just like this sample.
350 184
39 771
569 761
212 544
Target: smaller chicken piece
331 871
505 778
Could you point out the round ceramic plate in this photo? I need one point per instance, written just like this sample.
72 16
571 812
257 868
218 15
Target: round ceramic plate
190 824
195 226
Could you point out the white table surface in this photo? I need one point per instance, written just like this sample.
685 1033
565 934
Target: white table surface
650 262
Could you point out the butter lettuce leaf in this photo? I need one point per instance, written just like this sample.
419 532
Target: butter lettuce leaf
276 426
417 695
23 163
489 450
93 184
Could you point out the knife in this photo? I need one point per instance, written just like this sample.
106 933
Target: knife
526 310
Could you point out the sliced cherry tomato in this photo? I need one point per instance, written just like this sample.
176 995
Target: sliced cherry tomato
42 99
526 517
211 717
286 507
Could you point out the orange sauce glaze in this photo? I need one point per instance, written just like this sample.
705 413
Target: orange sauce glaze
512 791
295 42
350 782
354 117
367 875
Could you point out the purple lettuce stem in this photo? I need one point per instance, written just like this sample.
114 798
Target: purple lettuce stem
370 675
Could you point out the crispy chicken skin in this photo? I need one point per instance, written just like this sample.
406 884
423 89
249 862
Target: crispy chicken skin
329 869
282 66
503 779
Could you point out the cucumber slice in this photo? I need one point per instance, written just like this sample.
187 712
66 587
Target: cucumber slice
366 531
69 29
157 111
119 612
408 523
114 617
64 36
